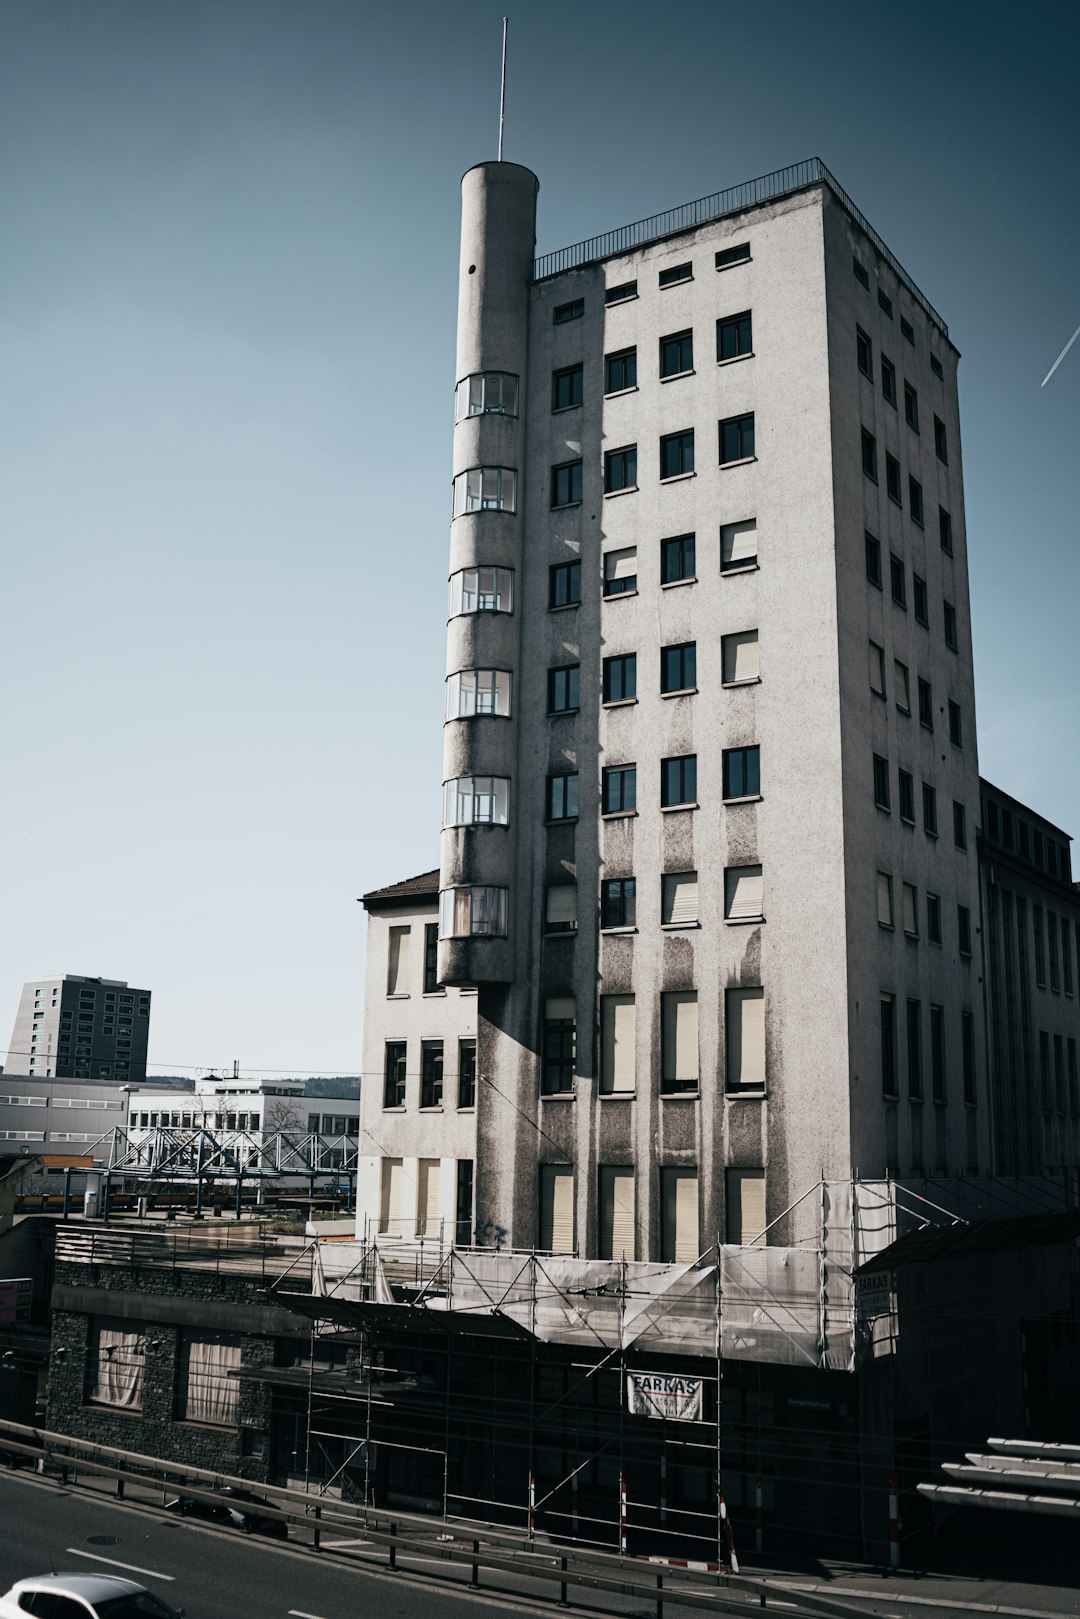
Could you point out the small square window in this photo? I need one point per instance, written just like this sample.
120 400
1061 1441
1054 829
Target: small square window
911 406
567 387
738 546
728 256
678 780
620 678
881 783
619 789
956 734
621 294
566 484
888 382
734 337
929 810
926 704
677 273
742 772
736 439
941 445
915 500
620 571
740 658
678 667
951 633
936 368
898 580
676 354
873 560
677 559
620 469
564 584
864 353
677 454
869 454
571 311
618 902
620 371
907 330
892 478
884 303
945 530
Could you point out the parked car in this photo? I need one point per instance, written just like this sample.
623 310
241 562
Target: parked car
238 1507
83 1596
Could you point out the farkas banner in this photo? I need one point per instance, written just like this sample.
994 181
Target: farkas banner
652 1395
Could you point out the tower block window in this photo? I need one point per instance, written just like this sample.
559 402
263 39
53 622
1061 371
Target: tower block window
473 913
485 489
481 590
486 393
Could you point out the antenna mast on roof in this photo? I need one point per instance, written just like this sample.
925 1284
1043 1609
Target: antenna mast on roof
502 93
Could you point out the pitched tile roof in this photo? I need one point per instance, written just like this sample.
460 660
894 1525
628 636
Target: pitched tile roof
425 886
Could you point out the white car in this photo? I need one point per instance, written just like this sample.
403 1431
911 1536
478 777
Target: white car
83 1596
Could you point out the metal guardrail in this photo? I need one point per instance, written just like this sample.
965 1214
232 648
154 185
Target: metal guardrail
474 1544
229 1250
749 194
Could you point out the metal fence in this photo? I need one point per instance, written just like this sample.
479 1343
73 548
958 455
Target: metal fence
228 1250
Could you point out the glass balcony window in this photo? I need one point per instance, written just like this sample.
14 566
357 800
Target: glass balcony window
473 913
478 691
481 590
486 393
476 801
485 489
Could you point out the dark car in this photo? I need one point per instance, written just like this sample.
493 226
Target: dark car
238 1507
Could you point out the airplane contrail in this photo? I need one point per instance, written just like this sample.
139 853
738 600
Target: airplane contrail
1060 357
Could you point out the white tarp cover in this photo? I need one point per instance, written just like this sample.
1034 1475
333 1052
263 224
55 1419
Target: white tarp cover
676 1399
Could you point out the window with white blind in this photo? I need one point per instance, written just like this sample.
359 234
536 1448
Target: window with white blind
617 1222
620 571
397 968
745 1020
556 1209
392 1196
679 1039
877 669
738 546
679 1232
746 1207
560 908
739 658
427 1201
618 1026
679 899
743 894
884 899
911 910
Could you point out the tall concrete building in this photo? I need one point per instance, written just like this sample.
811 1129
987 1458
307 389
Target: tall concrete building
80 1028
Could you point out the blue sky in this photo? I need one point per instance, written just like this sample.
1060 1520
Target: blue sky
227 297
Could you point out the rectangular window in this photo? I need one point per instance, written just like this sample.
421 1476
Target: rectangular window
618 1033
564 692
431 1073
862 275
892 478
951 637
734 337
1052 940
567 387
873 560
620 678
945 530
394 1074
881 783
922 610
937 1051
888 382
556 1209
911 911
959 821
679 1041
117 1356
560 908
869 455
478 691
933 918
967 1033
676 354
428 1177
677 454
864 353
736 439
742 772
566 484
564 584
391 1197
963 929
466 1096
678 781
937 368
907 330
397 968
1074 1079
956 732
877 669
559 1045
481 590
884 303
620 571
929 810
907 796
738 546
888 1046
619 789
678 667
728 256
463 1210
1044 1070
926 704
677 559
740 658
679 1232
207 1392
915 501
485 489
571 311
562 798
914 1050
941 444
1066 956
620 469
743 894
884 900
745 1219
617 1219
903 689
431 959
744 1021
677 272
620 371
618 902
679 899
911 406
622 293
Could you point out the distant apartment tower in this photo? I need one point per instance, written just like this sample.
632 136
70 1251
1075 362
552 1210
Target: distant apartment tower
710 771
80 1028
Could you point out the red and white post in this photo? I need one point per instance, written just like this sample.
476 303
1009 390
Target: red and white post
622 1514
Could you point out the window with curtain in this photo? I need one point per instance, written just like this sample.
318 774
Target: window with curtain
209 1394
116 1362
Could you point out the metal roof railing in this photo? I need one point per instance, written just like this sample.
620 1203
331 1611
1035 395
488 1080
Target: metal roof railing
750 194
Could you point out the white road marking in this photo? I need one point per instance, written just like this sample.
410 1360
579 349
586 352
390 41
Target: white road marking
133 1568
298 1613
345 1545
